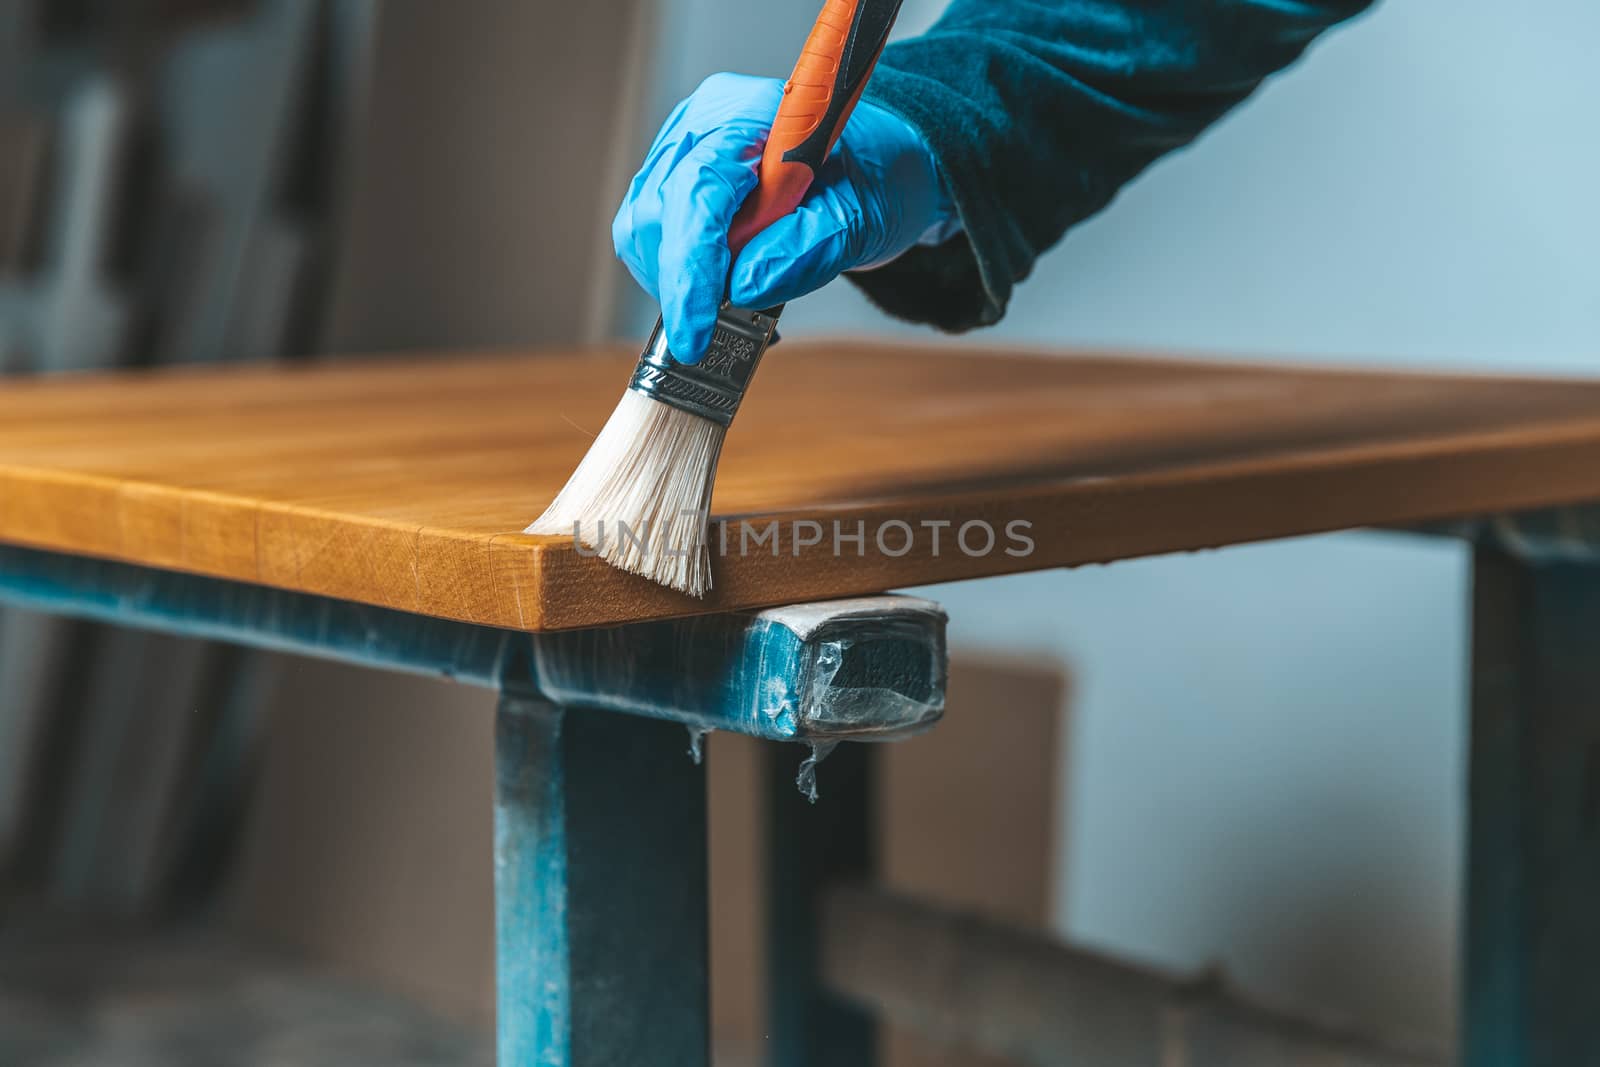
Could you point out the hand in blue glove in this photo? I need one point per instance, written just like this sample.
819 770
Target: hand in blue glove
878 194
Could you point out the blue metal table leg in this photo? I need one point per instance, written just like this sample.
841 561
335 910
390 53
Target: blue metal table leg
600 890
600 817
810 846
1532 987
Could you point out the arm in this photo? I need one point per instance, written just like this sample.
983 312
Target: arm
1036 113
974 148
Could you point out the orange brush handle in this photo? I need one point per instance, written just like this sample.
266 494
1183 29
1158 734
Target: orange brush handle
827 81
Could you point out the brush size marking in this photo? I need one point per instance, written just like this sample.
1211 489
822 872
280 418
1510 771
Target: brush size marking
727 352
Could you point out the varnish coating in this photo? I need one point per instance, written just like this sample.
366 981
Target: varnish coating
402 483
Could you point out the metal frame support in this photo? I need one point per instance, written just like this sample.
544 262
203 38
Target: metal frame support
600 814
811 846
600 889
1532 981
1017 993
869 668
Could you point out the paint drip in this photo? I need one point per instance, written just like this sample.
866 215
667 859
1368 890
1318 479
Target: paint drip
697 739
806 780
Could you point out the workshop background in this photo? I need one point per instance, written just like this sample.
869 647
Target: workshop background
1170 759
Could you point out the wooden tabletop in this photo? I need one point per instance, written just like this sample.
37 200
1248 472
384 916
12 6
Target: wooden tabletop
405 483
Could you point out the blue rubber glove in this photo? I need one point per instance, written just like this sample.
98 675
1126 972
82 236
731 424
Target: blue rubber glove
878 194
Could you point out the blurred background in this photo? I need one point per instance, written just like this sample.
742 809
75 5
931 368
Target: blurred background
1251 758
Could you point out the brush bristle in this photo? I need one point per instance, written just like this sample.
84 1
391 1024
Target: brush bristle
642 496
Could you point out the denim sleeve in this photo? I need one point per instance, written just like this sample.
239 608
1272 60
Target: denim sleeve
1038 111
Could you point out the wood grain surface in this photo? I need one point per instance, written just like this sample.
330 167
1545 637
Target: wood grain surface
403 483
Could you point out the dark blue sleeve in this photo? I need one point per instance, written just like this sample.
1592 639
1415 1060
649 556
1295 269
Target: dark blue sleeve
1038 111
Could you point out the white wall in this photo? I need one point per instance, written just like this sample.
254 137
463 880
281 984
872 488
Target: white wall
1268 755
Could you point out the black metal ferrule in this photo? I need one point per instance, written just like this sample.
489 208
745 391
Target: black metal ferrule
713 387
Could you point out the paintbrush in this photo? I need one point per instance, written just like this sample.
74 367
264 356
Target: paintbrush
641 497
